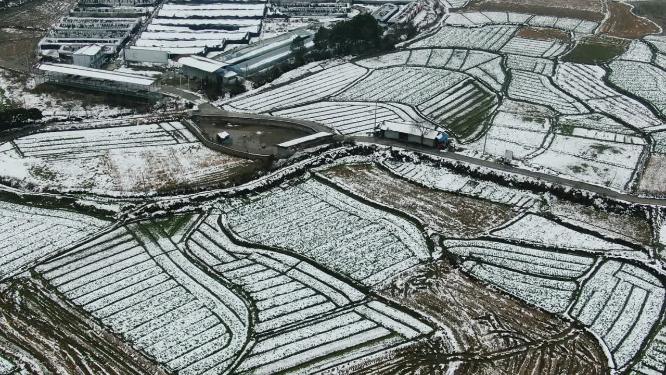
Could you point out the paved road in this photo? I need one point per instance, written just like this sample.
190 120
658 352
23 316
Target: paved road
209 110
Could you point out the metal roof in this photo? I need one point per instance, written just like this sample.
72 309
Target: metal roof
99 74
202 63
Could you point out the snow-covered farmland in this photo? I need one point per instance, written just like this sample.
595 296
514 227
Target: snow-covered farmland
307 90
499 18
351 117
539 231
29 234
538 89
598 162
531 64
409 85
641 79
305 317
541 277
585 82
117 160
534 47
136 282
484 66
621 303
654 359
521 133
491 38
333 229
386 60
443 179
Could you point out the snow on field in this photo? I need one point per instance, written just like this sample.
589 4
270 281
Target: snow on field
654 360
539 231
29 234
642 80
484 66
601 124
6 367
531 64
351 117
496 18
521 133
638 51
118 160
533 47
598 162
135 281
387 60
621 304
585 82
491 38
310 89
332 229
443 179
306 317
538 89
408 85
653 178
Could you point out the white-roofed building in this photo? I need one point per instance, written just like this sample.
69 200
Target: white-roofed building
91 56
409 132
206 69
98 80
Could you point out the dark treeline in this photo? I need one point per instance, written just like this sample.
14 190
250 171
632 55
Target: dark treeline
12 118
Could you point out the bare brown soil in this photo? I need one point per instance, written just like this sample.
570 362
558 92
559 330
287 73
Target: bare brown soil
450 214
623 23
23 26
592 10
653 179
654 10
543 34
41 334
498 334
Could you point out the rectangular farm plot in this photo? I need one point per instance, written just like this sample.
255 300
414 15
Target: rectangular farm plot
641 79
520 133
315 87
118 160
351 117
408 85
491 38
30 234
590 160
538 89
621 303
332 229
533 47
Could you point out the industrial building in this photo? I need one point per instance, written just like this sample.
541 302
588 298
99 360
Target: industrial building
300 8
91 56
206 69
74 33
116 3
98 80
262 55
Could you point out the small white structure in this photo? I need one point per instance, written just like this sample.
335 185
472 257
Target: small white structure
98 80
91 56
223 137
409 132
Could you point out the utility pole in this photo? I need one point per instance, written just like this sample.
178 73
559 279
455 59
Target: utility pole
375 126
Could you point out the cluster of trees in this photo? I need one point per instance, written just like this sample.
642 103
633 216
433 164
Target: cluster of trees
11 118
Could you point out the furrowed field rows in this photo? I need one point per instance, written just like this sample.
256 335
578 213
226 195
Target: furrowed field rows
91 143
332 229
141 286
521 134
533 47
621 304
315 87
491 38
641 79
537 88
29 234
306 319
499 18
351 117
586 83
537 230
443 179
653 361
402 85
530 64
543 278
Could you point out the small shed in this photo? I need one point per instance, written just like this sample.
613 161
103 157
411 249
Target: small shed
91 56
223 137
